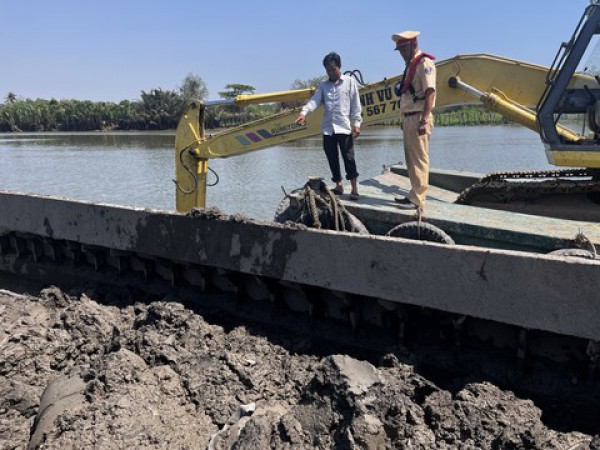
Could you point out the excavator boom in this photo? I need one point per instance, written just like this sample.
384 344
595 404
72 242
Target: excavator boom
380 101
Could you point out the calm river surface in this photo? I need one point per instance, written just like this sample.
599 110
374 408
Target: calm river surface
137 168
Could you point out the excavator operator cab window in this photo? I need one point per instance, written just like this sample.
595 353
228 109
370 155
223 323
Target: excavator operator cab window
590 66
571 97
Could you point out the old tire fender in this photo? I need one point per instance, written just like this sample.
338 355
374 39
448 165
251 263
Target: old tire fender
421 231
288 209
573 253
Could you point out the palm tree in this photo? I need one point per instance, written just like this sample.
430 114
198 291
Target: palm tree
11 97
161 109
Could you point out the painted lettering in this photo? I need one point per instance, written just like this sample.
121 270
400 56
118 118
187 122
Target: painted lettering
384 94
366 99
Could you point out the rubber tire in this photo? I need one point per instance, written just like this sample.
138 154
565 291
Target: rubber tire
421 232
573 253
357 225
285 213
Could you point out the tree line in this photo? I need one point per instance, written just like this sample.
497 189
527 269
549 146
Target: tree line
463 116
156 109
159 109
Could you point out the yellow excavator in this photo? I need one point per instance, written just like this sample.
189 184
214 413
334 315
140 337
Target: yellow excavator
531 95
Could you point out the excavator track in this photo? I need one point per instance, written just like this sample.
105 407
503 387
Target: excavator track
504 188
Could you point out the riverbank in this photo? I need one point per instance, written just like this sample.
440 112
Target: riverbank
79 116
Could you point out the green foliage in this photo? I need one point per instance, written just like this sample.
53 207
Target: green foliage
469 115
302 84
160 110
231 115
69 115
157 109
11 97
462 115
193 88
233 90
311 82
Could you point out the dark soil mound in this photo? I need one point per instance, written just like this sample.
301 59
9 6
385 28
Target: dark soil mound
76 373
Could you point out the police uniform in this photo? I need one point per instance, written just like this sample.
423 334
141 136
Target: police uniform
412 104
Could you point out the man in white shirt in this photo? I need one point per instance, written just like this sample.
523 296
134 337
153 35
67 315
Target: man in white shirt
341 121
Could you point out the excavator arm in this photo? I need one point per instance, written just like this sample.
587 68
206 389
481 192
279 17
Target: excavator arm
193 148
464 79
491 81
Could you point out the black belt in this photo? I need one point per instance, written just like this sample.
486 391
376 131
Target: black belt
412 113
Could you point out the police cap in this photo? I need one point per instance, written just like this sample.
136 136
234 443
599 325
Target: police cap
406 37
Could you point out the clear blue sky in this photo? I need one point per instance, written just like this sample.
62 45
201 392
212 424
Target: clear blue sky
112 49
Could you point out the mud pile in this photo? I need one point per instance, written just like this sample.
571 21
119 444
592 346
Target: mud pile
76 372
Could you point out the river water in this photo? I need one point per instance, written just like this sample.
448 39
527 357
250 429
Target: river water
137 169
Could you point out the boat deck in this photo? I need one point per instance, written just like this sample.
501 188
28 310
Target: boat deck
466 224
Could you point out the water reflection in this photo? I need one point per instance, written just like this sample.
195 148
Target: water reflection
85 140
137 168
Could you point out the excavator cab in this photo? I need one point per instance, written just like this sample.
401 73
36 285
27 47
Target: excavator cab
562 99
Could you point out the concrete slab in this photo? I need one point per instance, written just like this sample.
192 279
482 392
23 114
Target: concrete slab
528 290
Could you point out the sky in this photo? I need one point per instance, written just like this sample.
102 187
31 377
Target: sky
111 50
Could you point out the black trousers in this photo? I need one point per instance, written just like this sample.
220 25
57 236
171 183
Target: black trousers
345 142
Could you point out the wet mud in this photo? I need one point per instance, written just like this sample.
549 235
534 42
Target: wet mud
87 369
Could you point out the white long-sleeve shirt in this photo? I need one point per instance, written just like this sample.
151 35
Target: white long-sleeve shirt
342 105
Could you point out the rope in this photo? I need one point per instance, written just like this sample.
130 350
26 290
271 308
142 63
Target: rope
419 220
323 199
310 194
337 209
315 205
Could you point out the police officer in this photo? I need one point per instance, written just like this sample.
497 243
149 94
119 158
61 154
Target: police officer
417 100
